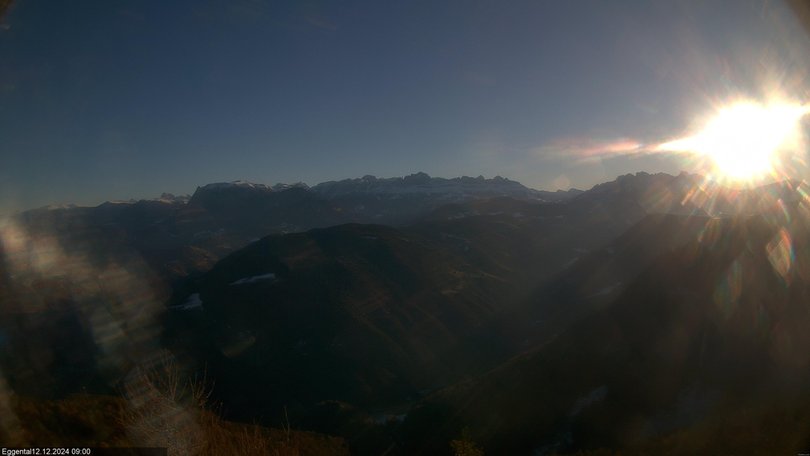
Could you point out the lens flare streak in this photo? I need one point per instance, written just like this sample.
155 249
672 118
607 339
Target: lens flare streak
745 141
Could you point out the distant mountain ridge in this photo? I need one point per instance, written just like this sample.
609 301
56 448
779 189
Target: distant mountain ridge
420 189
418 183
423 183
182 234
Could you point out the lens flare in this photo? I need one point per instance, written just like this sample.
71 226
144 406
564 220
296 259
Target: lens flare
781 255
745 140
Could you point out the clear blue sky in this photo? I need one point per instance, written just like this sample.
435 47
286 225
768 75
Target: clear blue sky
119 99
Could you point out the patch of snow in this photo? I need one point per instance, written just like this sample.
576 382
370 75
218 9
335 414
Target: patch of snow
170 198
280 186
193 302
421 183
120 202
56 207
234 184
254 279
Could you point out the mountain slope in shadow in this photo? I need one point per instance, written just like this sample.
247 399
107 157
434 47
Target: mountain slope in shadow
710 328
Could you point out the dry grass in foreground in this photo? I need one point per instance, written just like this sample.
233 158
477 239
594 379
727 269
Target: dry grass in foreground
158 409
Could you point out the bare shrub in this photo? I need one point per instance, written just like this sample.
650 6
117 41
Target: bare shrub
166 410
163 410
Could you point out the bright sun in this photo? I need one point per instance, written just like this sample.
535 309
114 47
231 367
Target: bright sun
743 139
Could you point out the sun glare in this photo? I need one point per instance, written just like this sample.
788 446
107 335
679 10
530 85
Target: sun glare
743 141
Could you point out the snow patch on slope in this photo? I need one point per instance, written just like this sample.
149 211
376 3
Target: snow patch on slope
254 279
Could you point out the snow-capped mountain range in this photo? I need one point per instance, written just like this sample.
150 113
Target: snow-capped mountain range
414 184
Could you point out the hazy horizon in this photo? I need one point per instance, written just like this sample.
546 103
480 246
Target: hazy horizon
190 192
